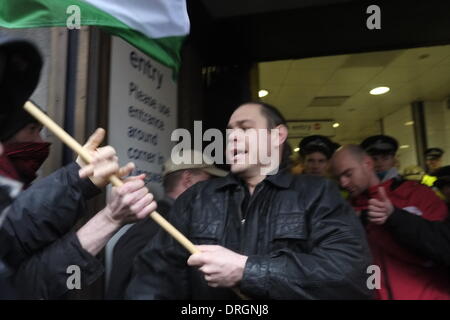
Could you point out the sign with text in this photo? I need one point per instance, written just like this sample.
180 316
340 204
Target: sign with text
298 129
142 111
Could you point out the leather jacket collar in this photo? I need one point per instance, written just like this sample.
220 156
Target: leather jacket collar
282 179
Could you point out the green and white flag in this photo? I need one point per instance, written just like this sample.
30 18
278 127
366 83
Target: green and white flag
157 27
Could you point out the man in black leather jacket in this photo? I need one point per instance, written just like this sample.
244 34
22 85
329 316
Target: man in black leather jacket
270 236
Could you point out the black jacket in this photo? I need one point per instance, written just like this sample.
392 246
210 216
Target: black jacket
431 239
7 291
128 247
303 241
38 238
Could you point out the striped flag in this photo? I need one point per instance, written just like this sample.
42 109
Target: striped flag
157 27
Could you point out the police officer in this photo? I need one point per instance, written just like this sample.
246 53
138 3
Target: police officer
315 154
382 150
433 157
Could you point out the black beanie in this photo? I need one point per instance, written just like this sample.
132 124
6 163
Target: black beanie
19 77
16 121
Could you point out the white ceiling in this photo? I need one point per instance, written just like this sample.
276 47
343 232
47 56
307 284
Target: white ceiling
412 74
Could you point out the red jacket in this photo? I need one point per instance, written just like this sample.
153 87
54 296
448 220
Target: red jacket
404 275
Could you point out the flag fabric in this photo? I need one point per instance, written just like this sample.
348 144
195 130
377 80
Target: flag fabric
157 27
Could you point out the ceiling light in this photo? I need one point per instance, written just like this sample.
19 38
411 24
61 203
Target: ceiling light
379 90
262 93
409 123
405 146
336 124
296 149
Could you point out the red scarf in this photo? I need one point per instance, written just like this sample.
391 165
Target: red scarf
21 160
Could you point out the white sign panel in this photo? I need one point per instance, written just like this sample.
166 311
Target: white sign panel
142 111
298 129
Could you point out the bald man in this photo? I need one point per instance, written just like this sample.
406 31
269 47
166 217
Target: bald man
404 275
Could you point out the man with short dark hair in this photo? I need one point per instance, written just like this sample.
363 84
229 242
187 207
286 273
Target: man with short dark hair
259 230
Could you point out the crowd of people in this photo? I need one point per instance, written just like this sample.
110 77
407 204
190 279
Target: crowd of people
405 216
312 234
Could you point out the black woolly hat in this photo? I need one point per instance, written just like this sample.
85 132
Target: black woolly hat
20 69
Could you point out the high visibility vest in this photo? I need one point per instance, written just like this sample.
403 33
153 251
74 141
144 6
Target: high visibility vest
429 181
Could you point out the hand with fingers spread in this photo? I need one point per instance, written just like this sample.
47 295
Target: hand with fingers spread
130 202
220 266
380 209
104 161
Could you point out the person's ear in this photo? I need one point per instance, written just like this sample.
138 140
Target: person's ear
282 134
186 179
368 162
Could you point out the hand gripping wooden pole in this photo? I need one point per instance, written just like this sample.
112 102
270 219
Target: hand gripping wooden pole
84 154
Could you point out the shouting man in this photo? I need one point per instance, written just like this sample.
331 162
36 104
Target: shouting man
260 230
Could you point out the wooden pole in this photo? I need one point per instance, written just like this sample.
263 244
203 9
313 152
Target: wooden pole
84 154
